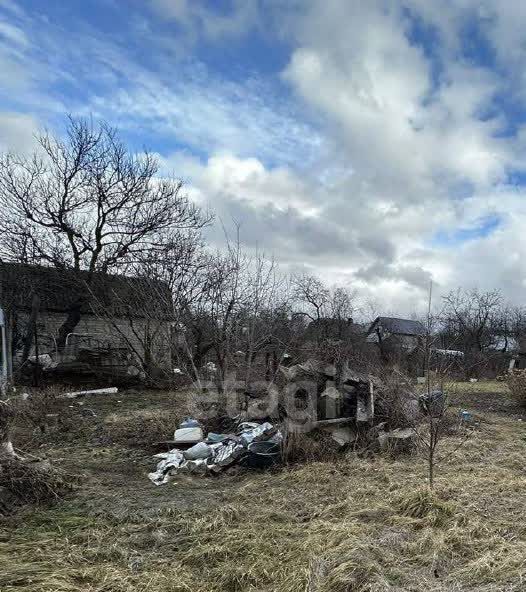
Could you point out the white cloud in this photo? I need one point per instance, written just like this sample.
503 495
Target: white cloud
198 19
13 34
408 141
17 132
211 114
357 66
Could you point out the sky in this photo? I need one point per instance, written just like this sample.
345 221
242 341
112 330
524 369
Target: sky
378 144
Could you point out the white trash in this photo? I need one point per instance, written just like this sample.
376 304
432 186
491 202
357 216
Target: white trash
112 390
171 461
188 435
198 451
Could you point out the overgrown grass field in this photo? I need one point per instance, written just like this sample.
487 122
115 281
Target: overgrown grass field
361 524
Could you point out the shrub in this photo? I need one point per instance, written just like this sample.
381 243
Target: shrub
517 385
23 482
396 401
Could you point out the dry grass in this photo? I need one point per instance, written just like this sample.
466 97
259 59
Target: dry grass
491 387
142 427
356 525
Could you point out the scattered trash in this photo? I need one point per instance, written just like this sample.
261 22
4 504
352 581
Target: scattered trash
228 453
170 460
258 444
465 416
263 454
214 438
255 433
433 403
188 435
103 391
198 451
396 437
342 435
189 422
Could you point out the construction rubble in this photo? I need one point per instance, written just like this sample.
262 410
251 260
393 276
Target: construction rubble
334 399
315 390
253 444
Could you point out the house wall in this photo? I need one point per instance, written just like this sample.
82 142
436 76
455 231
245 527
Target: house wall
93 331
4 354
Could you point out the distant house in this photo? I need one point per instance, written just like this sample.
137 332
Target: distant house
117 313
402 333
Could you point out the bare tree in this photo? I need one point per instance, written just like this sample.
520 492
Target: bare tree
435 402
209 314
508 327
312 295
342 303
88 204
469 315
265 313
469 318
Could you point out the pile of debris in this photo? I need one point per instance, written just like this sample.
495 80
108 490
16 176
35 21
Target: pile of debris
349 406
253 444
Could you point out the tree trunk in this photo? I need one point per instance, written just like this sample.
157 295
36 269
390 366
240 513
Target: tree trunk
431 467
72 320
30 329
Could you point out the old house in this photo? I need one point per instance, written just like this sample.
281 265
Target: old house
404 333
399 341
123 323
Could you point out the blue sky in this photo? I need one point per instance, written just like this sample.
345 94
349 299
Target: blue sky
373 143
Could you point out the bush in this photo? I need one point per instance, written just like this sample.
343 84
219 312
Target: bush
23 482
316 446
517 384
36 410
396 402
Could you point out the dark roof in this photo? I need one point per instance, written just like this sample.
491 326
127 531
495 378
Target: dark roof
399 326
58 289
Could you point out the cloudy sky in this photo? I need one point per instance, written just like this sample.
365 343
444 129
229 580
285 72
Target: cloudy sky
379 143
